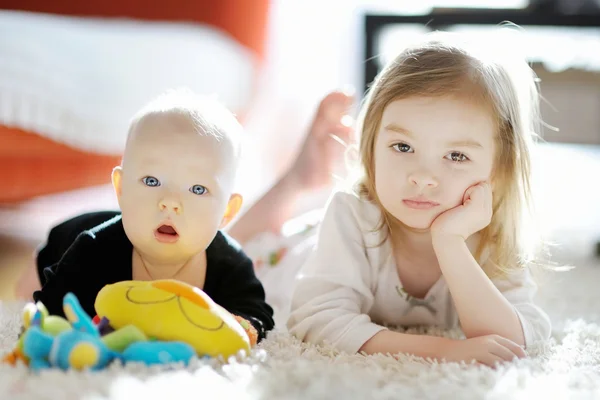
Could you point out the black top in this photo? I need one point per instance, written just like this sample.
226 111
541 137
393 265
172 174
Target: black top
87 252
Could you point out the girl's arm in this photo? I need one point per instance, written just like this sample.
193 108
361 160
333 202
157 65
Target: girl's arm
385 342
333 294
481 306
487 350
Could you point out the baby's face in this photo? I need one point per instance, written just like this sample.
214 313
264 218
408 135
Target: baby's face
175 188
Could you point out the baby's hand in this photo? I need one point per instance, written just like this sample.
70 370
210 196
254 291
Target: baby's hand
487 350
249 329
474 214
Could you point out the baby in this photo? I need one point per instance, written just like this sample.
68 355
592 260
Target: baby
175 194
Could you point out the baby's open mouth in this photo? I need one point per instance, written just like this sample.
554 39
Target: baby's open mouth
167 230
166 234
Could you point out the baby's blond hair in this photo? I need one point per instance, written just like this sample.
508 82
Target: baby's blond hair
443 64
207 115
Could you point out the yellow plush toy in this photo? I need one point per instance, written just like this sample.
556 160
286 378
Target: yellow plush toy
171 310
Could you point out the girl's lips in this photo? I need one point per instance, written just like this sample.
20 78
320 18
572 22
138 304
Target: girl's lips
420 204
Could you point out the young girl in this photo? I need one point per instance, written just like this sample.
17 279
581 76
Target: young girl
434 232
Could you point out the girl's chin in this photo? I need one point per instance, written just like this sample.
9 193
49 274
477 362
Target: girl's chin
414 226
417 229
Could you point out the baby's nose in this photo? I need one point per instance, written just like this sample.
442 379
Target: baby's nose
170 204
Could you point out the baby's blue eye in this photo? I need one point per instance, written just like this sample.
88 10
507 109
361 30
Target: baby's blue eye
150 181
198 189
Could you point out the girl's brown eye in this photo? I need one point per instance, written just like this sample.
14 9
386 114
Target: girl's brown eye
402 148
458 157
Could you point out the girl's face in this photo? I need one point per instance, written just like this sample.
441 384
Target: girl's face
428 152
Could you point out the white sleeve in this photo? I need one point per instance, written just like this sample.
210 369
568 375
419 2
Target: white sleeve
333 293
519 289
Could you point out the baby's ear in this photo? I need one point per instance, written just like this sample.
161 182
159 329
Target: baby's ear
117 180
233 207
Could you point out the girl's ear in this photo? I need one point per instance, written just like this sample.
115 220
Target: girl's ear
233 207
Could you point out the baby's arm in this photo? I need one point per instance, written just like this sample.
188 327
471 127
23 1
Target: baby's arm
242 294
68 275
59 240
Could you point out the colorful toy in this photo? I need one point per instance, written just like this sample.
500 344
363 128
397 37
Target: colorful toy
77 348
171 310
47 342
38 315
156 322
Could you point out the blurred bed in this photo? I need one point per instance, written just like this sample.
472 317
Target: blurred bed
72 74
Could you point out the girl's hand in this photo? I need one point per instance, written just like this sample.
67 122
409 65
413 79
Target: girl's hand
474 214
487 350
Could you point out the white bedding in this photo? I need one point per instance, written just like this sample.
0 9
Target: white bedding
78 81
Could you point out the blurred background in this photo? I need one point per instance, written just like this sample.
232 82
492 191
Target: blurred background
72 73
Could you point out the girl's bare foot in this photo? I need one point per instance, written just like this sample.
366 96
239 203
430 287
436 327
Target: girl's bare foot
324 148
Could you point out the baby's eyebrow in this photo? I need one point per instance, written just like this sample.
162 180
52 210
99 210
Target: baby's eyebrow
150 160
203 176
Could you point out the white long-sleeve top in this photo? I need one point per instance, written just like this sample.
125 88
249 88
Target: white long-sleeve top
349 286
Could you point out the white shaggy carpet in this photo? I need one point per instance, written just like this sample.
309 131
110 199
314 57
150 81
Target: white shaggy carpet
568 367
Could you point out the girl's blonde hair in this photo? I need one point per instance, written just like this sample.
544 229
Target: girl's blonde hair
444 65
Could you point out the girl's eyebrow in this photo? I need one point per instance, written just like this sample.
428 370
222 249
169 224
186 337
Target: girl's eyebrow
466 143
398 129
393 128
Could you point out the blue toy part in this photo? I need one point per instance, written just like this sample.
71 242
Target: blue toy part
38 364
77 316
156 352
69 350
37 346
79 350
